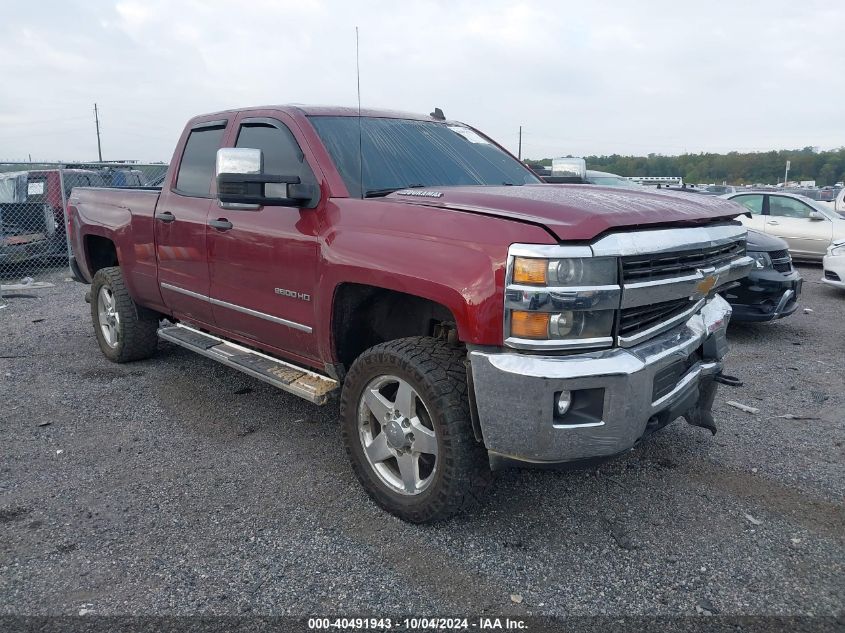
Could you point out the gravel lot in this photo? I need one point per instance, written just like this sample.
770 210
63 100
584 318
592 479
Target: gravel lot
178 486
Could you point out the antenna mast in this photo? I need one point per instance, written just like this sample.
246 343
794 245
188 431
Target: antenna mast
360 133
97 123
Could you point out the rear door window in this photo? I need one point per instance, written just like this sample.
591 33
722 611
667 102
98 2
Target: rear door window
196 169
752 202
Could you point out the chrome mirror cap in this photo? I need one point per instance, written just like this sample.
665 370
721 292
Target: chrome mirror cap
239 160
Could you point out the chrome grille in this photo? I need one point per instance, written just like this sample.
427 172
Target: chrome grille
633 320
664 276
679 263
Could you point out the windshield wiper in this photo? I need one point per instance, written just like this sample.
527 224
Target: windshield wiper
379 193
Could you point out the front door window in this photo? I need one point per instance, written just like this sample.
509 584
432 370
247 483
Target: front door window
783 207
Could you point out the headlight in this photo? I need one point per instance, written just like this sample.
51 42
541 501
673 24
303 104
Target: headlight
836 249
761 260
568 325
555 303
576 271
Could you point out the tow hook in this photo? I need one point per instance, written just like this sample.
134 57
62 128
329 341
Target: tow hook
730 381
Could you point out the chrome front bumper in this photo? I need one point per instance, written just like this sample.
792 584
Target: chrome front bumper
515 392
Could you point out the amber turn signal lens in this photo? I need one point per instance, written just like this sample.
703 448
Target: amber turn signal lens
530 271
530 324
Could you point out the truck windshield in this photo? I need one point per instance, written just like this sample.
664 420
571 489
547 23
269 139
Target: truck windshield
402 153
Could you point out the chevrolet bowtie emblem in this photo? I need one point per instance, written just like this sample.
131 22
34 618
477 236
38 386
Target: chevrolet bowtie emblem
704 286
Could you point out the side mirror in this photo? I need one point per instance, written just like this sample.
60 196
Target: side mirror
817 215
241 180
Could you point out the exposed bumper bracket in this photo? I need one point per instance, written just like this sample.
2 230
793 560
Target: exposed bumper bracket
702 413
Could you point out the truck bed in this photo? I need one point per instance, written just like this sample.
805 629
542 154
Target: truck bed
112 207
125 216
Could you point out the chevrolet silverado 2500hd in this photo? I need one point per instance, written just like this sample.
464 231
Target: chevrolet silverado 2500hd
468 316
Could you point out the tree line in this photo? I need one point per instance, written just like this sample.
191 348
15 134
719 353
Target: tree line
825 167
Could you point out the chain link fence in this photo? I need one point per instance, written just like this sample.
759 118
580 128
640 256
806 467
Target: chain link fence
33 201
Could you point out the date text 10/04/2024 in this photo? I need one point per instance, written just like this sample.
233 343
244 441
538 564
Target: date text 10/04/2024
417 624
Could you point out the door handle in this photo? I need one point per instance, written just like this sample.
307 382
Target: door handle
165 216
772 222
221 224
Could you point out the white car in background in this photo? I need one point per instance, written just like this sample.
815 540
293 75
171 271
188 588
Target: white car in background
808 226
834 265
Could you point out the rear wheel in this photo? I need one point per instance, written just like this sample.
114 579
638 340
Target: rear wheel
125 332
406 425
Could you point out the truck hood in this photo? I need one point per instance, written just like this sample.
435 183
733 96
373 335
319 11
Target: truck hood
575 212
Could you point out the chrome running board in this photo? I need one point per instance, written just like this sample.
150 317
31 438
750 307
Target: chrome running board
292 378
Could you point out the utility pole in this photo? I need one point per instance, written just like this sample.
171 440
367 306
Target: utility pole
97 123
519 154
785 175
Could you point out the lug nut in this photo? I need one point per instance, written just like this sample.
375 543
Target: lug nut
406 423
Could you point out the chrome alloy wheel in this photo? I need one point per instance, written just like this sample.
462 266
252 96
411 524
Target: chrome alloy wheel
109 319
397 435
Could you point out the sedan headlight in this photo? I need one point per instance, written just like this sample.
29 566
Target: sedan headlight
837 248
761 260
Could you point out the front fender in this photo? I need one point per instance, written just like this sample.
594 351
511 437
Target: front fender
453 258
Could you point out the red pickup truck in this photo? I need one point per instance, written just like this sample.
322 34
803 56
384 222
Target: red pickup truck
468 316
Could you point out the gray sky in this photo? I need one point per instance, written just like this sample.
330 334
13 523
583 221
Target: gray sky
586 77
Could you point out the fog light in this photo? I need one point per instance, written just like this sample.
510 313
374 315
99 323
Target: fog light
564 399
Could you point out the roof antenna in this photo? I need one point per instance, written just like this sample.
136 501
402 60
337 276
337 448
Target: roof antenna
360 133
438 114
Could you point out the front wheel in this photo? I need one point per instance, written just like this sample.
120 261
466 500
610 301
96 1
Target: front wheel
406 426
124 331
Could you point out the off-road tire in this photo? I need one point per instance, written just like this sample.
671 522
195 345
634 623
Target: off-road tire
137 337
436 370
